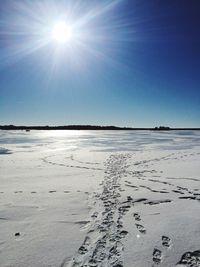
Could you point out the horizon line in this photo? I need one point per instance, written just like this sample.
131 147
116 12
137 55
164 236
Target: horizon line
89 127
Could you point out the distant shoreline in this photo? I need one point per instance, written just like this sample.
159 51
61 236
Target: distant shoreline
90 127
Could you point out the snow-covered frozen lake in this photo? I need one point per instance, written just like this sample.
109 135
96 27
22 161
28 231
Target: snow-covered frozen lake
99 198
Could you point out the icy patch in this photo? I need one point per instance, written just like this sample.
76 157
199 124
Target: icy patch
4 151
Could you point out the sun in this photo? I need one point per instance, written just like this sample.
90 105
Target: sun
62 32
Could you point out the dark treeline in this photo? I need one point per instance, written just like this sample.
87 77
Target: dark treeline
65 127
87 127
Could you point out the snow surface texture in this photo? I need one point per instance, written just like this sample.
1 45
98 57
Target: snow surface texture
99 198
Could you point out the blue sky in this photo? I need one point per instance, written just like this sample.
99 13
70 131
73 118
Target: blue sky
128 63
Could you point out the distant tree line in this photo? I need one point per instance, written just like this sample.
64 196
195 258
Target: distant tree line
66 127
87 127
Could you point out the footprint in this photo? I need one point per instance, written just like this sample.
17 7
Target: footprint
157 202
114 255
17 234
99 252
190 259
84 248
95 214
166 241
141 228
92 263
129 198
188 197
157 256
139 200
118 265
136 216
178 192
123 233
124 209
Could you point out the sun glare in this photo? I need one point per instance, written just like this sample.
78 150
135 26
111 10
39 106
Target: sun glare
67 27
62 32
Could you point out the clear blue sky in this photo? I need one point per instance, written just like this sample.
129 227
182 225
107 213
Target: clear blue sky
126 63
